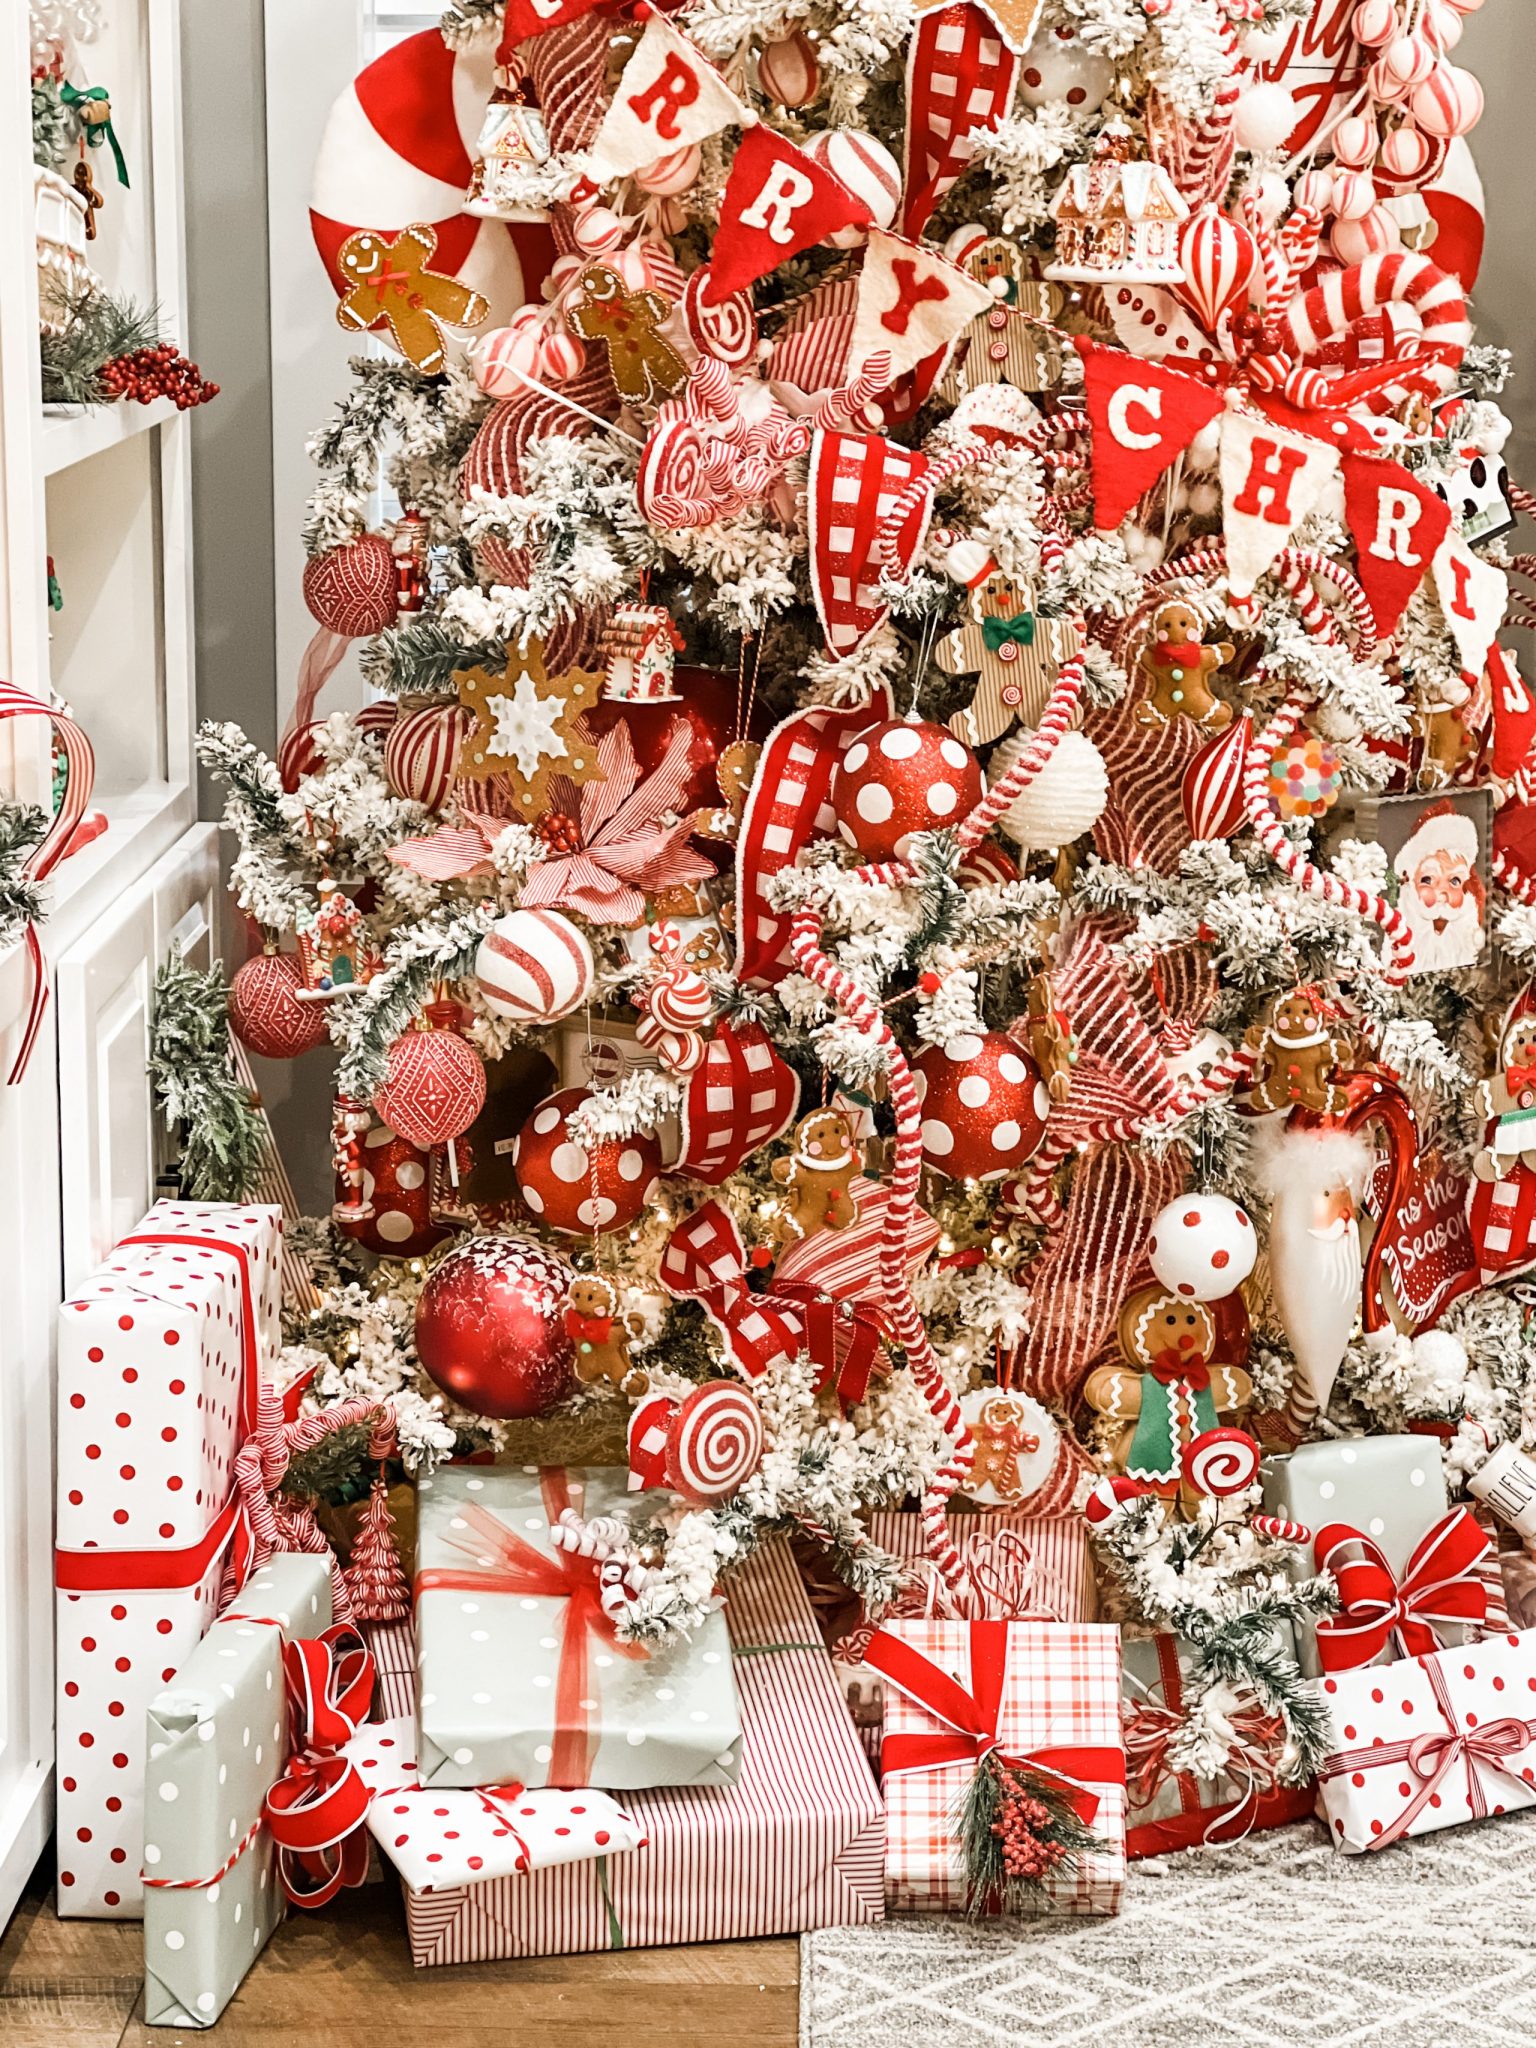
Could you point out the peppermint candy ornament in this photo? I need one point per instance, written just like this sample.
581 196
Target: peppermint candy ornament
901 777
714 1443
788 71
865 168
1202 1247
534 965
505 358
727 331
572 1186
984 1105
1220 1462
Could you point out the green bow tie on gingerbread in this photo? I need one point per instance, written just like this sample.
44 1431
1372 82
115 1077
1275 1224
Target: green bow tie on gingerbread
1020 629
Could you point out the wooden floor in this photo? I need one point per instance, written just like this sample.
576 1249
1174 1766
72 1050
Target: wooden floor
343 1979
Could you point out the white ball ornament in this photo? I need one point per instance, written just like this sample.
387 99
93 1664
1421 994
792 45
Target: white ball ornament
1372 235
869 172
788 70
1272 196
1065 800
1354 194
1202 1247
1057 70
1374 22
534 965
670 175
1448 102
1265 116
984 1105
1196 1061
1314 190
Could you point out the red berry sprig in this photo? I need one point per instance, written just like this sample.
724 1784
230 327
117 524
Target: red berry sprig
158 372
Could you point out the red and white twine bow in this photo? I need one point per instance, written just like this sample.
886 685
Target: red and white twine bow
274 1522
1438 1589
57 842
316 1810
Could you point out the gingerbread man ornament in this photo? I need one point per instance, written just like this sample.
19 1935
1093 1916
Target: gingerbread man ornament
817 1176
388 280
592 1320
1178 667
1013 652
645 367
1297 1054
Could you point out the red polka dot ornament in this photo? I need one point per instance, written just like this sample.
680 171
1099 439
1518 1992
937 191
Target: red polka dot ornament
899 778
397 1194
984 1105
575 1187
1202 1247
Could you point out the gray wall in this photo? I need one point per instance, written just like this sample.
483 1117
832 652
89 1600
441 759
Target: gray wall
1499 47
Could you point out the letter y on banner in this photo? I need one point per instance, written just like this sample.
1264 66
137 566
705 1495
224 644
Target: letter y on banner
1143 419
1270 481
669 96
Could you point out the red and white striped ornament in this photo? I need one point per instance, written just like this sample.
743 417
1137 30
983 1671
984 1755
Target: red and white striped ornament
561 356
865 168
534 965
263 1013
984 1105
1279 1530
352 589
1108 1499
672 174
788 70
714 1443
728 331
421 751
1212 787
1221 260
1448 102
573 1186
1221 1462
503 359
433 1087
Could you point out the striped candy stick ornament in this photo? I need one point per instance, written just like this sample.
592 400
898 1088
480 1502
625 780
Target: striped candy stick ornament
54 846
1345 297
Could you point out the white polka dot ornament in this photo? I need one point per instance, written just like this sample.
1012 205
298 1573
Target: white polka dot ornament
575 1188
534 965
984 1105
397 1188
899 778
1202 1247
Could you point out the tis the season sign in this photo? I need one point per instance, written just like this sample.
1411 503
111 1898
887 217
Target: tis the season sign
1427 1252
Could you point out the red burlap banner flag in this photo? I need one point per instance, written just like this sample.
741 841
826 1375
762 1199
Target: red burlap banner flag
1397 527
1143 418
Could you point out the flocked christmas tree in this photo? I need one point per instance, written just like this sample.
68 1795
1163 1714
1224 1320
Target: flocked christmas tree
820 415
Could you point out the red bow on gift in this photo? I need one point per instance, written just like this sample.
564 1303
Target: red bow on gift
705 1262
506 1564
973 1720
316 1809
1253 1755
1437 1588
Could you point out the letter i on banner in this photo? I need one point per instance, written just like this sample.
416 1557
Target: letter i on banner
670 96
1143 418
777 201
1270 481
1398 527
1473 594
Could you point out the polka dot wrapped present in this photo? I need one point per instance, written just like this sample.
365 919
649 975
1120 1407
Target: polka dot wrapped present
521 1674
161 1355
217 1739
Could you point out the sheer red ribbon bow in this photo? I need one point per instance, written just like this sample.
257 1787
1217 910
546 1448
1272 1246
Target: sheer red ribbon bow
316 1809
1437 1589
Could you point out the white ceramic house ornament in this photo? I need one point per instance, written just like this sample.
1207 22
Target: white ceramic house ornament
1117 218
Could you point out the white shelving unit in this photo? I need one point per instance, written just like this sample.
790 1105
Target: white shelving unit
105 495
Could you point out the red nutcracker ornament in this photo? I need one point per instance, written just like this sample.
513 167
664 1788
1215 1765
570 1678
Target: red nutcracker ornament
575 1187
489 1330
408 547
265 1013
901 777
984 1105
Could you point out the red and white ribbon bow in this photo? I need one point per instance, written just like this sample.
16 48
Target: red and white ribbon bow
1438 1588
57 842
316 1809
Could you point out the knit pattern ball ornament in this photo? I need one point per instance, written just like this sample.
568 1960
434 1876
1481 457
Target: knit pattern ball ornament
899 778
351 589
434 1088
264 1013
984 1105
575 1187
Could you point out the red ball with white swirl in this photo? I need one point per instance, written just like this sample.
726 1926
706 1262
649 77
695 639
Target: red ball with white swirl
1221 1462
899 778
984 1105
715 1443
573 1186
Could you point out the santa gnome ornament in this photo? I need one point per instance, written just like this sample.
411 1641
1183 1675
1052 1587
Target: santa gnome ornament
1316 1179
1441 895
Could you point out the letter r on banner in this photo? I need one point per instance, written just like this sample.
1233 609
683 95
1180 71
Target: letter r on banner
782 194
1397 514
675 86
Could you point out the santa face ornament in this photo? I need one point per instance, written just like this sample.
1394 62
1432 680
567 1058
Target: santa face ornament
1437 859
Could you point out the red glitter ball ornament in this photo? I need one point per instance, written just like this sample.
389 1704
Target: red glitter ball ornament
489 1329
901 777
264 1013
573 1187
984 1105
397 1187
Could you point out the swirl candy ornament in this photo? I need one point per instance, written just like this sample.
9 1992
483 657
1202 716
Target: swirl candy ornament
714 1443
1221 1462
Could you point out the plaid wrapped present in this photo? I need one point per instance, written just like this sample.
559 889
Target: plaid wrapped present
1044 1697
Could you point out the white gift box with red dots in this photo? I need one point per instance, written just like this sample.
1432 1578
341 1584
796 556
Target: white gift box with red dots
155 1351
1430 1742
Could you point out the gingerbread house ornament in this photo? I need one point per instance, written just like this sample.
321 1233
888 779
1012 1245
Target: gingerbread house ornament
638 650
1117 218
513 140
332 947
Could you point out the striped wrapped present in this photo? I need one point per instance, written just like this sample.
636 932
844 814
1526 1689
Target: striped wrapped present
797 1842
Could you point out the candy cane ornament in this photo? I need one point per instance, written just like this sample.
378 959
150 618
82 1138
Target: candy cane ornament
1341 300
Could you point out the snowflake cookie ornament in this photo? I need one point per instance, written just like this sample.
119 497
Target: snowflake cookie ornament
528 726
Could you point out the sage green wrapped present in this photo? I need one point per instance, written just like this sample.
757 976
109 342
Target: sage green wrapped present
218 1737
521 1677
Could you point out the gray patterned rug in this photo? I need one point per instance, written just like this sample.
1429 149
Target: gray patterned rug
1277 1942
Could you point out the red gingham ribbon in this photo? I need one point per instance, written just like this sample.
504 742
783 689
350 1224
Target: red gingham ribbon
52 847
973 1720
1438 1587
317 1807
1434 1756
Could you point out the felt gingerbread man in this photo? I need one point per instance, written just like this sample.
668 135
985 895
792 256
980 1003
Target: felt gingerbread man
1167 1393
817 1176
592 1322
1296 1056
644 366
388 279
1178 666
734 770
1013 653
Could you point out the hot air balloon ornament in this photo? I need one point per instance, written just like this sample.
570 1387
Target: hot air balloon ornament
1220 259
1212 788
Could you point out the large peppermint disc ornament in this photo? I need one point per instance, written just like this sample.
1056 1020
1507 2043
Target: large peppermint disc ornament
489 1330
714 1443
264 1013
576 1187
398 147
534 965
1221 1462
984 1105
901 777
1202 1247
